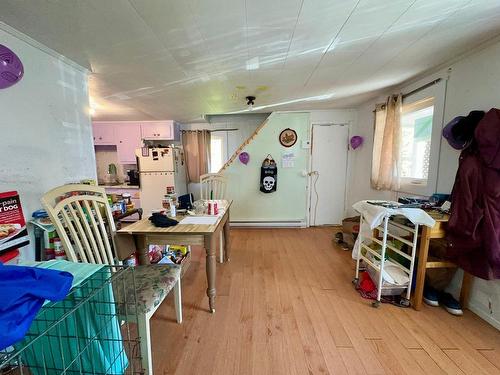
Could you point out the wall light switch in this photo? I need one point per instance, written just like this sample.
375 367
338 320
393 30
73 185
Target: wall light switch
306 143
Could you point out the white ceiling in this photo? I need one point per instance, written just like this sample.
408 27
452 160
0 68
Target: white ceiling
180 59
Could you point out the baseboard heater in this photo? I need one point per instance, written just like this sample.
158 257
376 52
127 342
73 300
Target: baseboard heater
268 223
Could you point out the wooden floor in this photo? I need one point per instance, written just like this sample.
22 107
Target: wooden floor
286 305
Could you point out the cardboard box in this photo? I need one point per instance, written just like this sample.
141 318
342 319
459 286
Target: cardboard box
13 232
350 230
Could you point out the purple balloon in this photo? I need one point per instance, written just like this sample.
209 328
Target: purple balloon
244 157
11 68
356 141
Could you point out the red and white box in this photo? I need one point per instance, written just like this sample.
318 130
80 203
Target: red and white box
13 232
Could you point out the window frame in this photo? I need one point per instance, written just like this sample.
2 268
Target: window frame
412 185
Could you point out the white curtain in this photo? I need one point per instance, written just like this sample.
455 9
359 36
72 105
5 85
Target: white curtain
385 164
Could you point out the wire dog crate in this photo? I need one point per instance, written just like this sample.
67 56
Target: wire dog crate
92 331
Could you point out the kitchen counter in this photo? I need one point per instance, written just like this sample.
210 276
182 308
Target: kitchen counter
121 186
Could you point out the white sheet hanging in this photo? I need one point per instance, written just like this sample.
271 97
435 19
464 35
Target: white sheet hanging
373 216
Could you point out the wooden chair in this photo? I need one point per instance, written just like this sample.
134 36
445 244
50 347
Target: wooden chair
213 186
85 225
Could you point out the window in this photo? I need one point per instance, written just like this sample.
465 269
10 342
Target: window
421 124
217 152
416 140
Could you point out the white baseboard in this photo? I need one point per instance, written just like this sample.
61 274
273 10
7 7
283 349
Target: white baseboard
476 309
268 224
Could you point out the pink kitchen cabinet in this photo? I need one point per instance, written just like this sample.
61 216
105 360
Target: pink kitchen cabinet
104 133
157 130
128 139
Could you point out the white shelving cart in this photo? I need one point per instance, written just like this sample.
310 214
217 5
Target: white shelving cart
390 231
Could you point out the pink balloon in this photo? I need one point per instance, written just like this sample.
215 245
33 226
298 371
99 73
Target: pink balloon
244 157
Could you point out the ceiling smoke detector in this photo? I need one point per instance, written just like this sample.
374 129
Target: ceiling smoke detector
250 101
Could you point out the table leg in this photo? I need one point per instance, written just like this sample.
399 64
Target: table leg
227 239
465 291
142 249
423 252
210 248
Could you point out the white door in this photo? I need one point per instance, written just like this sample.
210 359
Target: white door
328 179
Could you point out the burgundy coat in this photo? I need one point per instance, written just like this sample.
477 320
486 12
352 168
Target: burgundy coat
474 226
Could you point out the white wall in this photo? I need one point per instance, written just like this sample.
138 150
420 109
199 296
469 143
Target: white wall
288 204
245 125
44 122
257 208
474 83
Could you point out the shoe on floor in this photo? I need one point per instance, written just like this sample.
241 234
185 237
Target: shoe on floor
450 304
431 296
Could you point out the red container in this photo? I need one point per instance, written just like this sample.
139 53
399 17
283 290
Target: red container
212 208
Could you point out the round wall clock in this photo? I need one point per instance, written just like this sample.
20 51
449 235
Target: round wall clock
288 137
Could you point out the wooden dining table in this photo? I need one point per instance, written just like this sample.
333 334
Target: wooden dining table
205 235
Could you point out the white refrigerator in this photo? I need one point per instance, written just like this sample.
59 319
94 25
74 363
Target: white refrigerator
160 168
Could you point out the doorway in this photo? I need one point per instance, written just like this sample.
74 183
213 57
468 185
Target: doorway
328 173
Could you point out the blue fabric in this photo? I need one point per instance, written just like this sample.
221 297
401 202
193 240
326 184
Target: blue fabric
88 340
23 290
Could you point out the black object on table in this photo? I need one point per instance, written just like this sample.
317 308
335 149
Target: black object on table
118 218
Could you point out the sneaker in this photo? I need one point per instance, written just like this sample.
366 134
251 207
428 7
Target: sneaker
431 296
451 304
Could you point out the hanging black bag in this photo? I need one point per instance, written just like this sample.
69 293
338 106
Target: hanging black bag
268 175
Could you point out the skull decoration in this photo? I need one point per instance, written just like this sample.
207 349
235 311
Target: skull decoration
268 176
268 183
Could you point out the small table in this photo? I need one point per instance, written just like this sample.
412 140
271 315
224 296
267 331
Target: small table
438 231
118 218
205 235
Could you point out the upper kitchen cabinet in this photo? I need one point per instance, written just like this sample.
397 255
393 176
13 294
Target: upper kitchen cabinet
104 133
128 139
159 130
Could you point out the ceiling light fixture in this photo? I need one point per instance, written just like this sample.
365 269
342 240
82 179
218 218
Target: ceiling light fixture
250 101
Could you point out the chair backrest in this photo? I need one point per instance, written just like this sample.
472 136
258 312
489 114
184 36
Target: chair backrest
212 186
84 222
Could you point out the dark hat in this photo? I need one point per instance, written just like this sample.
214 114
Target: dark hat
459 132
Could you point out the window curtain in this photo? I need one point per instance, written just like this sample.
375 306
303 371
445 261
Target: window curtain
196 145
385 164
